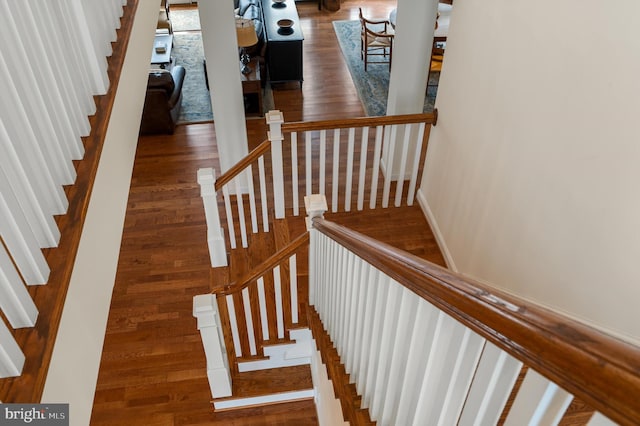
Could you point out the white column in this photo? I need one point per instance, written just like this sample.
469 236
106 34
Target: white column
412 45
415 24
223 71
215 234
205 310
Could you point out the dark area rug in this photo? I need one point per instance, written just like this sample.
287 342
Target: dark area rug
373 85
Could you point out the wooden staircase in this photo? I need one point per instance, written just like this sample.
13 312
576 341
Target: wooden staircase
273 385
422 345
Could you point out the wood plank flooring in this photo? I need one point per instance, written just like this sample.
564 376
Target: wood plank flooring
153 367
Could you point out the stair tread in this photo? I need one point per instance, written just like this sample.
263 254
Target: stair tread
343 389
268 382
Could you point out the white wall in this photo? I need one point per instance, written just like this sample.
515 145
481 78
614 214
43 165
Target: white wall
76 357
533 171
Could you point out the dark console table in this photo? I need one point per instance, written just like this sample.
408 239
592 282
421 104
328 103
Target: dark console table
284 46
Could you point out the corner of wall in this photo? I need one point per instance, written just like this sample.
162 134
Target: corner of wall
426 210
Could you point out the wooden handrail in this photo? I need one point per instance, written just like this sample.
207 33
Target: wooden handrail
429 118
243 164
264 267
599 369
299 126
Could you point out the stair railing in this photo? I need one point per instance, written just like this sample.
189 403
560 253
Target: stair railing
424 345
238 320
369 161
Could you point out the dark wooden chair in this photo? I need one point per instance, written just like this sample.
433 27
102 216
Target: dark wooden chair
376 40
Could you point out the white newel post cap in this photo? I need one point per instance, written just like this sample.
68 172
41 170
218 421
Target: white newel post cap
274 119
204 310
207 181
315 205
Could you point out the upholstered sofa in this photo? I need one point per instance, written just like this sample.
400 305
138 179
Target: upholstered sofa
163 100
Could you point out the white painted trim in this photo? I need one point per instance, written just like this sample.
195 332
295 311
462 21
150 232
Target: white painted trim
78 346
262 400
424 205
328 407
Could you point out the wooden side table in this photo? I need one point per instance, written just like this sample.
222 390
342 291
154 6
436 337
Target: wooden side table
252 89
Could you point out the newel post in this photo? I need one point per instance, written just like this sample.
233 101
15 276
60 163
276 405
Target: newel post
205 309
275 119
215 233
315 205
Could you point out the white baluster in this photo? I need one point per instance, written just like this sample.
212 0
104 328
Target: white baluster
19 238
539 402
600 420
274 120
355 306
252 200
15 301
93 43
492 383
240 204
403 164
375 345
233 322
293 279
424 331
22 132
415 167
68 139
363 331
308 162
364 144
11 356
323 161
294 173
349 182
263 194
390 321
23 69
262 302
336 170
229 213
346 284
389 149
461 375
75 68
277 285
315 279
373 197
54 53
400 354
40 220
438 362
251 335
215 233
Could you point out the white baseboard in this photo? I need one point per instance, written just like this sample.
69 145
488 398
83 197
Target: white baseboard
263 400
424 205
288 355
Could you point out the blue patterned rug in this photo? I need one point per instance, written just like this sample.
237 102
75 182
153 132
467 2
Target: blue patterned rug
188 52
373 85
196 103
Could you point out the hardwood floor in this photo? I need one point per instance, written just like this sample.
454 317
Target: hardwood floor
153 367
